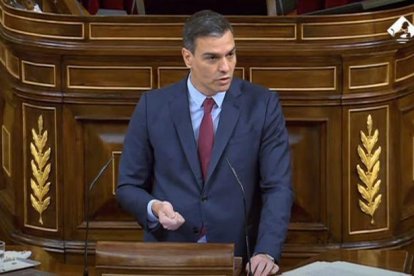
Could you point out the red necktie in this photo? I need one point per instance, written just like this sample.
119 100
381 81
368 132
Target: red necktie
206 136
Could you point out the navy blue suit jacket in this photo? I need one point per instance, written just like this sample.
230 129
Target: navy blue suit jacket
160 161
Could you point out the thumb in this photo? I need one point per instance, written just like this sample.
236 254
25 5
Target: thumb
167 209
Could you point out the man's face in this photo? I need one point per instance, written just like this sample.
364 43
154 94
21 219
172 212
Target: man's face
212 64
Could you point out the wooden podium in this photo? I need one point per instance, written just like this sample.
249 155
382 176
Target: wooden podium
139 258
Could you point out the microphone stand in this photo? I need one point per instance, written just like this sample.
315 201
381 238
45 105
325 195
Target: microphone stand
87 216
245 216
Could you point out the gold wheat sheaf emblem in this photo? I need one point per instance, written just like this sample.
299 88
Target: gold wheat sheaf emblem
369 177
40 170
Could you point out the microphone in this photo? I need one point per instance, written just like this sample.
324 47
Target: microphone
245 215
87 216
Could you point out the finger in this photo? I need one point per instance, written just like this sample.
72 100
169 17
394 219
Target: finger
275 269
268 266
180 219
253 266
172 223
248 268
267 270
270 269
165 216
259 269
166 222
254 261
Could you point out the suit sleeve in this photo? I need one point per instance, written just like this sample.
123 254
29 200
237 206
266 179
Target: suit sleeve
135 169
275 181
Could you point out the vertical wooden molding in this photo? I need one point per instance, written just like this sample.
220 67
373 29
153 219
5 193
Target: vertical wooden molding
6 150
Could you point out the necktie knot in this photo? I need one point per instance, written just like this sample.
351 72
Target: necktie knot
208 105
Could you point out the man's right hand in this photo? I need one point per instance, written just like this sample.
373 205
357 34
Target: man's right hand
168 218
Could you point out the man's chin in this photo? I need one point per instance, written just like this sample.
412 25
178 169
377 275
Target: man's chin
223 88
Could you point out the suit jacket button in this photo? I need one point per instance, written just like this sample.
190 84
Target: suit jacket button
204 198
195 230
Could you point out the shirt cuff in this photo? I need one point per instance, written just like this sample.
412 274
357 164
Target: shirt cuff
151 218
270 257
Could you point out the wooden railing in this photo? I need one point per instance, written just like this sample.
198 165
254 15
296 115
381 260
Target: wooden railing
164 258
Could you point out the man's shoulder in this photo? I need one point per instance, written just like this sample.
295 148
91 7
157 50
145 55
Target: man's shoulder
168 89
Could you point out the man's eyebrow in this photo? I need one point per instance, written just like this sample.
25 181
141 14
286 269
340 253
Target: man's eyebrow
210 54
232 50
216 54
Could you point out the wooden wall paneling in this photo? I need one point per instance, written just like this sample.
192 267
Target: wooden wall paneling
401 172
7 136
98 133
10 153
5 145
3 50
105 78
168 75
367 190
403 67
354 29
39 73
368 73
299 77
266 31
406 153
27 24
9 158
316 159
135 31
41 168
286 78
12 64
109 77
103 139
306 138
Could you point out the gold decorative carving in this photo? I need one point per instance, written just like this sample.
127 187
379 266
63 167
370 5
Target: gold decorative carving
369 191
40 169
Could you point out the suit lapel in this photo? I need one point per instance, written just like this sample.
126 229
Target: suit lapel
180 115
228 119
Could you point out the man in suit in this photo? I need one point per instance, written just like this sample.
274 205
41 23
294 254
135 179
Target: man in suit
176 172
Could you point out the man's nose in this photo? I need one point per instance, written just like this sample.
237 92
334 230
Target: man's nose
224 65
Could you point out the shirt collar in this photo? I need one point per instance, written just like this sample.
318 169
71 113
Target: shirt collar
198 97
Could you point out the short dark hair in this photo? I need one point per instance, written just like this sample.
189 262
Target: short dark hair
204 23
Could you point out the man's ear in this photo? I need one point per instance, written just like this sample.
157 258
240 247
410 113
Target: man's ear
187 56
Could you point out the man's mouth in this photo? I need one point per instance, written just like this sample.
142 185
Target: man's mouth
224 79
